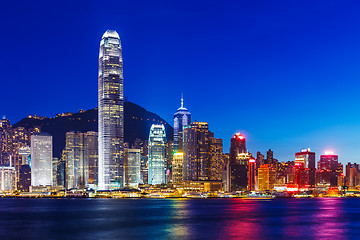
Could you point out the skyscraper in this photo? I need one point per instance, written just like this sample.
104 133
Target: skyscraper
328 166
197 151
111 112
216 159
177 167
305 169
91 156
132 167
41 160
182 118
157 155
239 161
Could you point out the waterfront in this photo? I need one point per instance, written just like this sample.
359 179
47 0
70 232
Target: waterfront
321 218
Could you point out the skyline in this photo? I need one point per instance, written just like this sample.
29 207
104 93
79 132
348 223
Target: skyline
271 114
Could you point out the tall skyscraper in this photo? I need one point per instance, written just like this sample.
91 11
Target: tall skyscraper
197 151
216 159
132 167
182 118
7 178
328 169
41 159
305 169
177 167
266 177
239 162
111 112
91 156
157 155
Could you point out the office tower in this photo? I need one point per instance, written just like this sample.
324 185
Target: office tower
157 155
177 167
111 112
252 171
266 177
352 174
182 118
6 145
91 157
216 159
41 159
270 157
260 159
132 167
328 167
24 178
76 166
238 163
305 169
196 151
55 163
61 171
7 178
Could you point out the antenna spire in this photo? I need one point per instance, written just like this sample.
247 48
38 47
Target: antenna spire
182 100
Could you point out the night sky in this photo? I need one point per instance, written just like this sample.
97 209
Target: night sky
284 73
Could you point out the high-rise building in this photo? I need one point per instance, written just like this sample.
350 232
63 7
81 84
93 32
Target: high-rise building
157 155
111 112
328 169
266 177
238 163
270 157
216 159
177 167
196 151
41 159
76 166
252 171
24 178
132 167
182 118
305 169
7 178
260 159
91 157
352 174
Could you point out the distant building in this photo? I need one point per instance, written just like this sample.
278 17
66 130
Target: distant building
91 157
177 167
216 159
252 174
157 155
328 169
182 118
352 175
266 177
305 169
238 165
7 178
196 151
41 159
132 167
24 178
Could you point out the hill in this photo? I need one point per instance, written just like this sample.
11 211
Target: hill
137 124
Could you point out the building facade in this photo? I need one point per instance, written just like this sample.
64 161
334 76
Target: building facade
111 113
177 167
132 167
157 155
41 159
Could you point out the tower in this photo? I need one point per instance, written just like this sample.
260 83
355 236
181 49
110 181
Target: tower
111 112
182 118
157 155
41 160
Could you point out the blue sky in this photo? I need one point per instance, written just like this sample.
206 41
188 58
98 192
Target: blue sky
284 73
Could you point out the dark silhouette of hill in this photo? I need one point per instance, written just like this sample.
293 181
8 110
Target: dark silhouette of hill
137 125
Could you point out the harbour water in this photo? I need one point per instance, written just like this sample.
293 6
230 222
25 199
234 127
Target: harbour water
320 218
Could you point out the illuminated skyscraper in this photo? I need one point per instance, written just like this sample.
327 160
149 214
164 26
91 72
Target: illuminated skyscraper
252 170
91 156
182 118
157 155
41 160
111 112
177 167
216 159
197 151
239 161
7 178
328 169
266 177
305 169
132 167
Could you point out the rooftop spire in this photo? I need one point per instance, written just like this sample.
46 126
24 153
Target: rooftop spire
182 100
